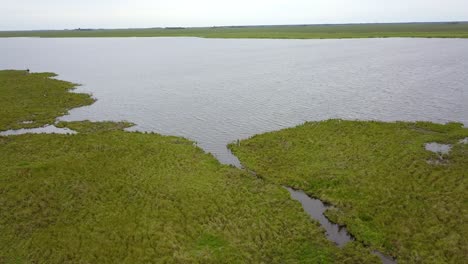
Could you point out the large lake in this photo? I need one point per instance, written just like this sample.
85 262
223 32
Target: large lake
215 91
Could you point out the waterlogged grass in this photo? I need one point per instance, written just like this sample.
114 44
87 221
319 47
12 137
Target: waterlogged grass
114 196
104 195
89 127
34 99
425 30
386 188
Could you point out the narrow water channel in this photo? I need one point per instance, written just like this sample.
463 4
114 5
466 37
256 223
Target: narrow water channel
316 209
334 232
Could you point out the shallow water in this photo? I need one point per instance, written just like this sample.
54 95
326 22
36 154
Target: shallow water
215 91
384 258
316 209
51 129
438 148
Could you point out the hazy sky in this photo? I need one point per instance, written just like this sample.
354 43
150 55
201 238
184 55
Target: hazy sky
60 14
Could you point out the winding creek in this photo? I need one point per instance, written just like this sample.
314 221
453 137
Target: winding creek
336 233
316 209
215 91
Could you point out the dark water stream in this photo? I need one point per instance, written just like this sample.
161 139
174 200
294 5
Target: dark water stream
315 208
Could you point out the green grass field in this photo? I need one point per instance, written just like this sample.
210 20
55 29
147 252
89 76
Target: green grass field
104 195
423 30
385 187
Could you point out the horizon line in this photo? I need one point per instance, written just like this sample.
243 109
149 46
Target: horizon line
240 26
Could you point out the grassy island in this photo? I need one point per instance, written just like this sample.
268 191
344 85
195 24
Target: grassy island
390 192
105 195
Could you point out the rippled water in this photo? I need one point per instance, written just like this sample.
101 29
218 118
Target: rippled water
215 91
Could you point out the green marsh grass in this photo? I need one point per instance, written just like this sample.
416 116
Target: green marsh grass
35 99
380 180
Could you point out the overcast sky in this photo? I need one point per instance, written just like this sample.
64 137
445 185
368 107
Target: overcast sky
61 14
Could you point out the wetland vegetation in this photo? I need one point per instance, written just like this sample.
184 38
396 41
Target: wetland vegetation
35 99
381 181
423 30
105 195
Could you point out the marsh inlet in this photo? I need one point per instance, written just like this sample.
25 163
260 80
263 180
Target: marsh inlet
316 209
51 129
336 233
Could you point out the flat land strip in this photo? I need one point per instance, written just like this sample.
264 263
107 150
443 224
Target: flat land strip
422 30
